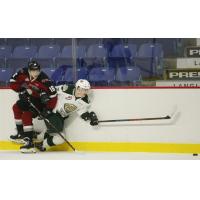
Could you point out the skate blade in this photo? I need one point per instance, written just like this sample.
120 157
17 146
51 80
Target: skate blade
18 141
32 150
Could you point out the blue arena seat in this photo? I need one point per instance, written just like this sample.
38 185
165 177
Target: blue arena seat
65 74
139 41
96 51
59 73
147 66
49 51
82 73
13 42
48 71
102 76
63 61
66 56
109 75
15 63
96 76
5 51
133 49
149 59
120 51
2 41
41 41
67 52
45 62
89 41
5 75
24 52
96 54
63 42
121 55
149 50
128 75
2 63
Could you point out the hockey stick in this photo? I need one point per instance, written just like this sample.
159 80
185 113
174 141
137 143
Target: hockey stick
136 119
59 133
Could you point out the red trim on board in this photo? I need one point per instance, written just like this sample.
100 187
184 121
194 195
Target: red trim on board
4 87
130 87
145 87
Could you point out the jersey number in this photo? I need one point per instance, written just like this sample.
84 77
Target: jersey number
52 89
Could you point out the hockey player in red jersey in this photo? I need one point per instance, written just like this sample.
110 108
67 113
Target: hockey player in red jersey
33 86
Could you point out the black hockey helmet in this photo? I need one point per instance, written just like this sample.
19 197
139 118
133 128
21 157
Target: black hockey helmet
33 65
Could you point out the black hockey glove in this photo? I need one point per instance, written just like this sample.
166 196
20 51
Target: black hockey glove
85 116
44 97
93 119
23 95
46 112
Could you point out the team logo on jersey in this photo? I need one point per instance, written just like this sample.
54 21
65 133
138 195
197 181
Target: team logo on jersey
69 107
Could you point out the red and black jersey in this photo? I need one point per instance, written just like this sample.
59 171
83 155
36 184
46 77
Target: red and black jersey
41 84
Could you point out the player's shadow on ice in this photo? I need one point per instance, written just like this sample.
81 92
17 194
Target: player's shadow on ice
167 122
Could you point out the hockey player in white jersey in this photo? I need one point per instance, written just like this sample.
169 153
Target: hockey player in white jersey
70 99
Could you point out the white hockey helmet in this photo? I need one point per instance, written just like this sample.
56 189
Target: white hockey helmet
82 83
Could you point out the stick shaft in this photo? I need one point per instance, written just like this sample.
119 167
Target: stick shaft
136 119
52 126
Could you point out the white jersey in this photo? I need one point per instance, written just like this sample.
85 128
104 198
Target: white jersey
67 103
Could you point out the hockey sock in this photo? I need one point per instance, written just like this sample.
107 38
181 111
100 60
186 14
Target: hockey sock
52 141
28 132
19 128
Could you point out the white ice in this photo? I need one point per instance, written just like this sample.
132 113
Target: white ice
14 155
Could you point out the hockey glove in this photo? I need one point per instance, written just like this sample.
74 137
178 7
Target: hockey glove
93 119
44 97
46 112
24 95
85 116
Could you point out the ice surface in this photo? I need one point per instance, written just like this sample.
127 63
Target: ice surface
14 155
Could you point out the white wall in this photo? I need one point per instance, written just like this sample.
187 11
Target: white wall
184 127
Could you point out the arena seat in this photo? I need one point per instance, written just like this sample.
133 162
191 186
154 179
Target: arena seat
5 75
129 75
2 63
63 42
5 51
45 62
13 42
96 51
15 63
48 51
149 50
170 46
2 41
48 71
67 52
102 76
96 76
82 73
38 42
24 52
96 54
